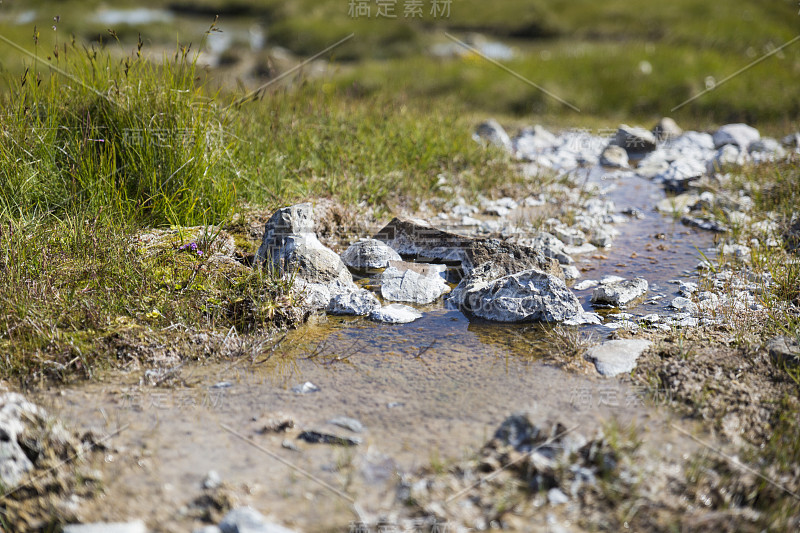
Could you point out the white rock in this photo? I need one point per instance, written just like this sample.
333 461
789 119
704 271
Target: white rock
410 286
616 356
586 284
684 304
492 132
360 302
621 293
369 253
741 135
395 314
570 272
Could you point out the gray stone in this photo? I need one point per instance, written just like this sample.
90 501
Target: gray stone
684 304
15 411
727 155
208 529
248 520
212 480
291 246
369 254
426 243
569 236
288 221
602 236
360 302
666 129
792 141
527 296
492 132
635 140
769 146
570 272
620 293
679 204
108 527
395 314
532 141
784 351
347 422
614 156
617 356
305 388
680 173
410 286
740 135
556 497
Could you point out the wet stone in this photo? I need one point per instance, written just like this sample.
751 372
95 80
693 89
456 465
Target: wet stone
395 314
619 293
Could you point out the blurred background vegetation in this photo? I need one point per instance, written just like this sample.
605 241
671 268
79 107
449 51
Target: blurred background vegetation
614 60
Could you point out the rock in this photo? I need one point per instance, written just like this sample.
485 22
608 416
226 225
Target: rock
679 204
569 236
528 296
208 529
15 411
212 480
410 286
602 236
248 520
684 304
416 238
108 527
620 293
556 497
704 224
360 302
319 437
531 141
614 156
666 129
570 272
616 356
792 141
740 135
680 173
727 155
635 140
586 284
305 388
493 133
347 422
395 314
291 246
784 351
768 146
369 254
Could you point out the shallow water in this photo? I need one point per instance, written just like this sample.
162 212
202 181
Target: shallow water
430 391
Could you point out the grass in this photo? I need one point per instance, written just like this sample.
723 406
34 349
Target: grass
93 159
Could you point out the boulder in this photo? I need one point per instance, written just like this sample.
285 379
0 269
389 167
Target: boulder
635 140
614 156
727 155
740 135
619 293
784 351
680 173
411 286
532 141
426 243
369 254
616 356
528 296
360 302
666 129
493 133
